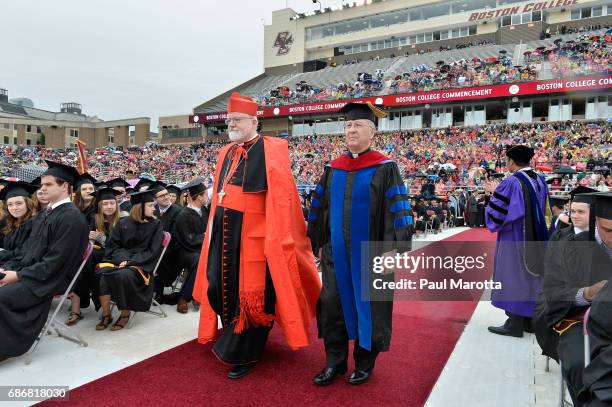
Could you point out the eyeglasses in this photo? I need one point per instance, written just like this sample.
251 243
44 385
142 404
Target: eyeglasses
236 120
162 195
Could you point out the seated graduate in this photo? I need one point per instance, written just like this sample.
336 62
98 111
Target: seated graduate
83 198
175 194
101 226
168 270
130 256
18 227
46 269
597 376
120 185
188 234
572 278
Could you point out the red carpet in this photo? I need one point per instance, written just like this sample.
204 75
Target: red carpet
424 335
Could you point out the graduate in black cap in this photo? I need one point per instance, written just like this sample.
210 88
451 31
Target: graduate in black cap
597 376
45 270
100 228
188 234
130 256
18 226
582 266
360 197
83 198
167 212
560 218
175 194
518 211
143 184
121 185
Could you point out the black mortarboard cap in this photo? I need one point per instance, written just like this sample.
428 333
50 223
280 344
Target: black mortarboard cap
584 198
603 205
356 111
157 186
117 182
558 200
143 182
4 181
142 197
195 187
581 190
36 182
520 153
17 188
85 178
104 194
62 171
173 189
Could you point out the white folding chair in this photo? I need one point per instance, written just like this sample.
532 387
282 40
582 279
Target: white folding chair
157 310
60 328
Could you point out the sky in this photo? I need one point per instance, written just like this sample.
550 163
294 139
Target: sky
133 58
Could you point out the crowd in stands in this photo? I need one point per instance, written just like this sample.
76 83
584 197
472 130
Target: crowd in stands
587 55
450 157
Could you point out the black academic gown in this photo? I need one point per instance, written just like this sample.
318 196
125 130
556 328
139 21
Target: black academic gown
125 206
140 244
14 241
28 245
86 286
546 337
168 269
44 271
597 376
349 207
188 234
223 274
580 263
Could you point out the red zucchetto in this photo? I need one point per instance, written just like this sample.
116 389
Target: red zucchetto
241 104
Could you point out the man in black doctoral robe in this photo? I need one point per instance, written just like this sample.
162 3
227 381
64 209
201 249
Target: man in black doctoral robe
361 197
188 234
27 290
168 270
597 376
572 279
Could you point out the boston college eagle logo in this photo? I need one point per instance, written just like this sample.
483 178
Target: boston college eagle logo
284 41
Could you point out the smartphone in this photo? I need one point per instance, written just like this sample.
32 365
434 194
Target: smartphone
2 275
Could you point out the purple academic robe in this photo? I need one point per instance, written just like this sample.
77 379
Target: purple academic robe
505 214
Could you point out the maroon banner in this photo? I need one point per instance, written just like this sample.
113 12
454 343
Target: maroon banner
436 96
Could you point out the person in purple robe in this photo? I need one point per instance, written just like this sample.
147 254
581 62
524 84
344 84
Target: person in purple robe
518 211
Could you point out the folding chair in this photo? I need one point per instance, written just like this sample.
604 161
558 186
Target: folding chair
58 325
159 311
587 357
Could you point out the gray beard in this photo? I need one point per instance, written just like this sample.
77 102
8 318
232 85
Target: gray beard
235 135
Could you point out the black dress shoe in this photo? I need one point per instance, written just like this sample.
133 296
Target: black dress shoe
240 371
327 375
359 377
508 329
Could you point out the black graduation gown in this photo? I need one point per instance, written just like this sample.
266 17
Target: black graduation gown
597 376
377 197
168 269
2 225
546 337
140 244
86 286
28 245
14 241
44 271
223 282
125 206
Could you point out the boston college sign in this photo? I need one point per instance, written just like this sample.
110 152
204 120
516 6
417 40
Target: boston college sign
541 5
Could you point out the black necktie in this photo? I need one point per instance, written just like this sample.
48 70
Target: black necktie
48 212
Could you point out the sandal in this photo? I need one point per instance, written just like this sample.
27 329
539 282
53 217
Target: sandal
117 326
73 318
104 322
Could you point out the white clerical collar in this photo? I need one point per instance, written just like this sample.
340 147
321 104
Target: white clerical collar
246 141
56 204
